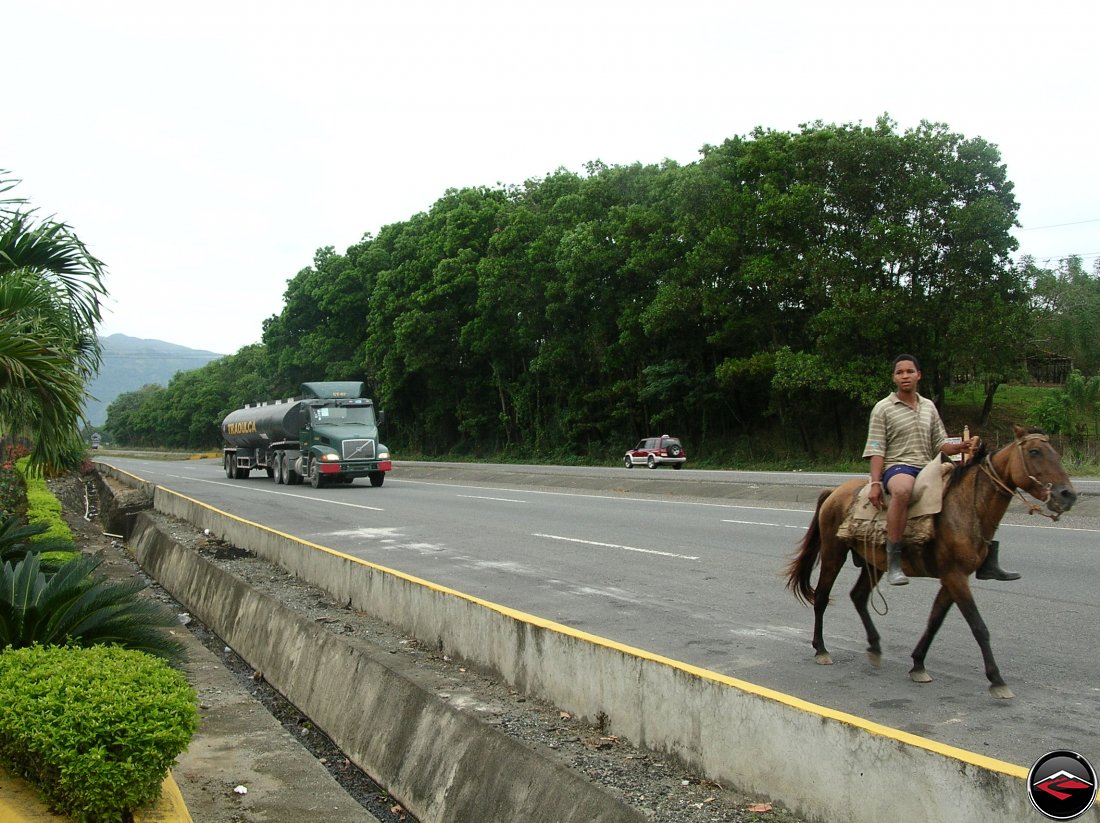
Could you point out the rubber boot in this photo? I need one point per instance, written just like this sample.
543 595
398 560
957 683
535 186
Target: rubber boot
894 575
991 569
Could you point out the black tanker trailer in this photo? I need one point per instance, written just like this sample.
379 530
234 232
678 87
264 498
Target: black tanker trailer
327 434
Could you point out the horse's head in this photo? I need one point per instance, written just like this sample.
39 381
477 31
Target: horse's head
1031 464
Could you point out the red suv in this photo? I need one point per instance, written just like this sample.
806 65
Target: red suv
656 451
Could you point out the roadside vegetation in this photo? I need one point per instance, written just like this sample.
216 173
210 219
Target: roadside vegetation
91 714
749 303
94 730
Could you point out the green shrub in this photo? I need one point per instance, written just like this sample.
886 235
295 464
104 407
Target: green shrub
74 606
94 730
45 509
51 562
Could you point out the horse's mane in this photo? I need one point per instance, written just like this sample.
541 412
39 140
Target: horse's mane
960 471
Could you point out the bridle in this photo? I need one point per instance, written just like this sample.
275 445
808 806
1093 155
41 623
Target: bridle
987 467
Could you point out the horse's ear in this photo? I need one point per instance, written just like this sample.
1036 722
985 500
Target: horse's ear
1019 431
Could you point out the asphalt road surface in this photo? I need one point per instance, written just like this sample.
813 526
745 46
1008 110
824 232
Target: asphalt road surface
692 574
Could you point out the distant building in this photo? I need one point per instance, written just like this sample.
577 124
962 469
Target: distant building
1049 368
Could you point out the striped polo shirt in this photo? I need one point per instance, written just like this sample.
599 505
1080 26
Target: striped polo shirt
902 435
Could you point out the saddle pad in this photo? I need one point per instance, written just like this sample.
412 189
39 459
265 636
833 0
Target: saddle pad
865 522
927 494
918 530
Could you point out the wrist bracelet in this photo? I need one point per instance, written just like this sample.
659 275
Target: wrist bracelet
876 482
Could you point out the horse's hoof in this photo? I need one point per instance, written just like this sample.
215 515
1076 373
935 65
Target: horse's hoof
875 658
920 676
1001 692
823 659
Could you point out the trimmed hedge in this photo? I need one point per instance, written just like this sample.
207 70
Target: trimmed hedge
44 508
94 730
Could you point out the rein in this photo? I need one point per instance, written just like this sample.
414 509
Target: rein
991 472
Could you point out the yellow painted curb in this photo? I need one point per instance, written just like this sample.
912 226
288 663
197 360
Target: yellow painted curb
169 807
19 803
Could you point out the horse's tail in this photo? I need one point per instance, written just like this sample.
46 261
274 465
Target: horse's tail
802 565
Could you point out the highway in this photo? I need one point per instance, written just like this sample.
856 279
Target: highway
694 575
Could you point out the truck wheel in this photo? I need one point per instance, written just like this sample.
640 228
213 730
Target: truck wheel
228 466
651 461
277 470
314 474
377 478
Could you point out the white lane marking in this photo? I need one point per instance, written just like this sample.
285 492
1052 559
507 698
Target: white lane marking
615 546
757 523
1042 526
602 496
610 594
497 499
382 535
258 490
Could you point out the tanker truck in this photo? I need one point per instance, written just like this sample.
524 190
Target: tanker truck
327 434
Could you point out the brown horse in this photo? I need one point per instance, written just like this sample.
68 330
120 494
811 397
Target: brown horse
975 500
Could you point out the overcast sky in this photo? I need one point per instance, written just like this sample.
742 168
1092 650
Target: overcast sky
205 150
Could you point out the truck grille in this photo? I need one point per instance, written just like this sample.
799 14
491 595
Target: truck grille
358 449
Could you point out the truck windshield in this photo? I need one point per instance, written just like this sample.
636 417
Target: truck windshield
353 415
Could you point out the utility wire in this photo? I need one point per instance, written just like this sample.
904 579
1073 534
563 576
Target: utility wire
1060 225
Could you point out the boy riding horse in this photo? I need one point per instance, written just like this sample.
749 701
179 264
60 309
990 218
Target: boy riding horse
905 432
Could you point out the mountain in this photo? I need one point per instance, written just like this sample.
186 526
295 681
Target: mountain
130 363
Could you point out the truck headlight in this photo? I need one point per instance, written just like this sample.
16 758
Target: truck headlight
330 458
383 455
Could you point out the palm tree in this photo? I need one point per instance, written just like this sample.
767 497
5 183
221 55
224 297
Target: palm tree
75 607
50 292
15 543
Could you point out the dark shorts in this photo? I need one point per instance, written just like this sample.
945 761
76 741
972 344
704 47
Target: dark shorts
887 475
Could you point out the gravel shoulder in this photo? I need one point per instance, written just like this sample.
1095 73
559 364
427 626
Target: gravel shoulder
305 770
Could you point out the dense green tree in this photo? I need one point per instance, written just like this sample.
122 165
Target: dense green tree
125 423
187 413
425 297
851 243
322 322
1067 311
773 279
